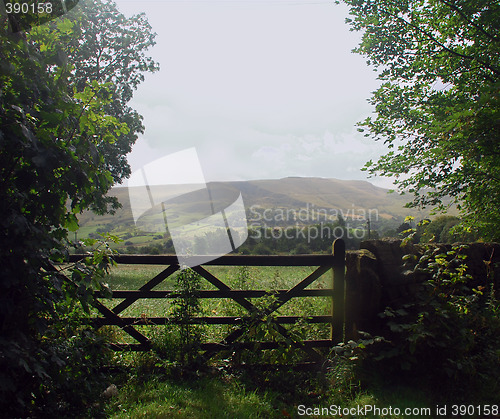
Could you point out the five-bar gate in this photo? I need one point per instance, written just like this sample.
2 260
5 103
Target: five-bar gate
340 330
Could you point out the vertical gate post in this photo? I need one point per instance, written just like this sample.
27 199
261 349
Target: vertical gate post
338 296
352 308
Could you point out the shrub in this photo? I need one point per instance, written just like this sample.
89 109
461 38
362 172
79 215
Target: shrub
450 333
181 344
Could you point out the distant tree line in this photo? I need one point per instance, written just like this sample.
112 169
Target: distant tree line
316 238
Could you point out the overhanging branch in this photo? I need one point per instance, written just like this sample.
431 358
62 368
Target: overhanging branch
440 44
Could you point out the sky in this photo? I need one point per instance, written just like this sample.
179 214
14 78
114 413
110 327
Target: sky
262 89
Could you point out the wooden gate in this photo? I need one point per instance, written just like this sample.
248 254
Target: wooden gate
340 331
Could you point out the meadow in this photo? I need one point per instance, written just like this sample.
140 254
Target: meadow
132 277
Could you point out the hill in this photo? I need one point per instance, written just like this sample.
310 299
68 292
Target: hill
287 201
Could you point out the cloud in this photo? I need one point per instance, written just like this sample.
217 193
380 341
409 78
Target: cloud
262 90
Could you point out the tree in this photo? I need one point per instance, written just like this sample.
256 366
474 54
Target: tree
58 156
438 107
106 47
441 229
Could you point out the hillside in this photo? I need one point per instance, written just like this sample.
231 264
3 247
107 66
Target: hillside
289 200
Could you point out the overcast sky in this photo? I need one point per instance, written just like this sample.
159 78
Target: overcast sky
261 89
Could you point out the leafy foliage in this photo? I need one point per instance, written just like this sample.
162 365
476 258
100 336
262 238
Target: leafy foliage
438 104
450 332
111 52
56 133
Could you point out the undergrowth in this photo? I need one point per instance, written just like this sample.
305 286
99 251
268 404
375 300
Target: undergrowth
440 347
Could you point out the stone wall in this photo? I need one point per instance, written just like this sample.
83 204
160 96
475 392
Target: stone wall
376 276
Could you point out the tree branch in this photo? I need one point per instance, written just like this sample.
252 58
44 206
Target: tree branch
466 18
441 45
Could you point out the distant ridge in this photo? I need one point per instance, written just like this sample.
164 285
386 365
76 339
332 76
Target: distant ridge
286 193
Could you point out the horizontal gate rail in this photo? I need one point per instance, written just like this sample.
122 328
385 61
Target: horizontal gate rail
145 321
227 260
217 347
216 293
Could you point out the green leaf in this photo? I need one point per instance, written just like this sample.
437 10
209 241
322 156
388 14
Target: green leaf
71 222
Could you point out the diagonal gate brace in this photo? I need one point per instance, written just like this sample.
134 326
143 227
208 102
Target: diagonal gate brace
234 335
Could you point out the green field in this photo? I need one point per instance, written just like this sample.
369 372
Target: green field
132 277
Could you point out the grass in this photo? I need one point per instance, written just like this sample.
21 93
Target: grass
251 395
134 276
204 398
156 385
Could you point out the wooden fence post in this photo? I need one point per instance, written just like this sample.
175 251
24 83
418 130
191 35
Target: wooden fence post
351 301
338 309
